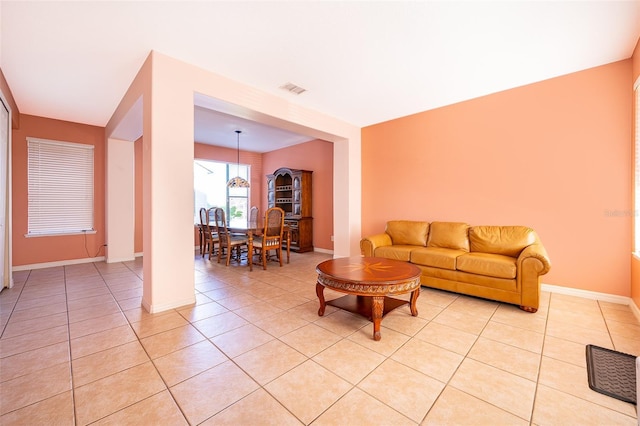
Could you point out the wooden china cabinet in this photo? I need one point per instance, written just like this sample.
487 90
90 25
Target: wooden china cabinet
290 190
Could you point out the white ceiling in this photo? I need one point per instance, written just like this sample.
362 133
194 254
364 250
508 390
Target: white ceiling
216 128
363 62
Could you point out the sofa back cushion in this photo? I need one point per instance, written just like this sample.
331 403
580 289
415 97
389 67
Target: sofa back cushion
451 235
505 240
408 232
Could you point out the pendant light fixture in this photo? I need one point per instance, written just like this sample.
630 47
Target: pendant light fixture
238 182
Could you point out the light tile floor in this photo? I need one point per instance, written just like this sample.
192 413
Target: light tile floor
76 348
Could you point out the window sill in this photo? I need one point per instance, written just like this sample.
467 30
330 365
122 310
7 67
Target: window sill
62 234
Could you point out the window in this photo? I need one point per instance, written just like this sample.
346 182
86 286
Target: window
210 188
60 188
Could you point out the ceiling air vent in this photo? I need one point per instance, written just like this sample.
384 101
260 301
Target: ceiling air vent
290 87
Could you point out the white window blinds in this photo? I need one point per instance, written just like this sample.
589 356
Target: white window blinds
60 187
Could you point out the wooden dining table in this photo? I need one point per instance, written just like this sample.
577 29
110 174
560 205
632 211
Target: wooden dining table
252 229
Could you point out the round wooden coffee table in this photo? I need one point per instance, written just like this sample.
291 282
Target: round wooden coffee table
368 282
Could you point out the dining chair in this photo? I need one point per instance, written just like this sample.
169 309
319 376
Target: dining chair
254 212
271 237
226 241
200 234
208 237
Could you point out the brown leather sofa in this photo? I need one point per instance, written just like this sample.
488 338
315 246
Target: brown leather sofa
502 263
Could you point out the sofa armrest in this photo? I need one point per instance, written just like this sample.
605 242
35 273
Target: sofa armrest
368 245
536 251
532 263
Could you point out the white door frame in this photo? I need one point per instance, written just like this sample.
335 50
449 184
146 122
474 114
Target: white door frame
6 275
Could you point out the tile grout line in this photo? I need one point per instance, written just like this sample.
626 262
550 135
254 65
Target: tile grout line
13 308
544 340
73 387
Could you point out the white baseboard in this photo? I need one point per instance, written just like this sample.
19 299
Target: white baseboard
321 250
153 309
636 312
119 259
586 294
58 263
593 295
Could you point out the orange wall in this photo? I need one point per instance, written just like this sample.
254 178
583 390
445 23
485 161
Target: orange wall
635 263
316 156
51 249
553 155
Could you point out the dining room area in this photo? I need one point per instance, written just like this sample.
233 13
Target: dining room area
257 241
245 215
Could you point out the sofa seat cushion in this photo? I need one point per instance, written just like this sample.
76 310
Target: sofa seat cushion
490 265
458 279
408 232
395 252
436 257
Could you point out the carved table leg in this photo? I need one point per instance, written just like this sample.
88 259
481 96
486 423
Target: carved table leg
412 302
377 308
320 293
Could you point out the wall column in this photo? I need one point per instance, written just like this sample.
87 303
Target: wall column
120 219
167 192
346 198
